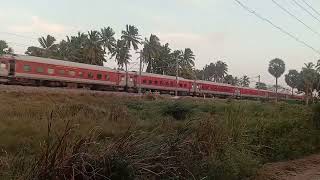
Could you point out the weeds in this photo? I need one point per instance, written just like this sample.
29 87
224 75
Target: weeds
101 137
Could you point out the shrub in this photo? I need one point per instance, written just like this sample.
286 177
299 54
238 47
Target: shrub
316 115
178 110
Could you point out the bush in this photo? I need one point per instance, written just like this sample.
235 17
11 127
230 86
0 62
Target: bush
178 110
316 115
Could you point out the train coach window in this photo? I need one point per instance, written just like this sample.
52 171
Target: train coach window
50 71
90 75
26 68
99 76
3 65
107 76
156 82
39 70
185 85
150 81
72 73
144 81
161 83
61 72
80 74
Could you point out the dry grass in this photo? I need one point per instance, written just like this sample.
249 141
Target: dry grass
94 136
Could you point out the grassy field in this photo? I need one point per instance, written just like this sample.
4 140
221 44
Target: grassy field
88 136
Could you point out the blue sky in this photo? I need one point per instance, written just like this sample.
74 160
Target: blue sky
213 29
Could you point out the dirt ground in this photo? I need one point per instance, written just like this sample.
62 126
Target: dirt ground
302 169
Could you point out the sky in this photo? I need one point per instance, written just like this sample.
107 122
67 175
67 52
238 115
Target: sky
213 29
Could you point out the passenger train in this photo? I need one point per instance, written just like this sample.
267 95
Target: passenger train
36 71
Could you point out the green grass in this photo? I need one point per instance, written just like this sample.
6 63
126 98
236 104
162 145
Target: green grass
130 138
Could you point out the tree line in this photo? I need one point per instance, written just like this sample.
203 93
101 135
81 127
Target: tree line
96 46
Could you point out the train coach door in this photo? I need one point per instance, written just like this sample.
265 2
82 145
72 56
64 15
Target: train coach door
12 67
3 68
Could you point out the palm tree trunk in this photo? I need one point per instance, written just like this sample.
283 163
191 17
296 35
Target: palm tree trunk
276 89
126 86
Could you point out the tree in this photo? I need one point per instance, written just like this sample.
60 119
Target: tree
221 71
309 78
261 85
131 37
93 51
276 69
107 39
121 54
215 71
229 79
4 48
245 81
47 48
292 79
151 52
186 63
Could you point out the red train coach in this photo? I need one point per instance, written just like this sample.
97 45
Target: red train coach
21 69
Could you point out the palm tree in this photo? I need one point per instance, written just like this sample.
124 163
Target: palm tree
221 69
72 49
47 42
151 52
245 81
292 79
48 48
276 69
121 54
308 75
229 79
165 62
107 39
131 37
93 51
188 58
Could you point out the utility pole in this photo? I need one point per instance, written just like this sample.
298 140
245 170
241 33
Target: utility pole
140 69
177 74
259 82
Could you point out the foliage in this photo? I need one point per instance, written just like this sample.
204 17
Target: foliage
276 69
131 37
245 81
316 115
121 54
292 79
4 48
261 85
229 79
177 110
131 138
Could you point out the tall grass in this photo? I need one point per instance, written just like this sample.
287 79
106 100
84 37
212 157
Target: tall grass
51 136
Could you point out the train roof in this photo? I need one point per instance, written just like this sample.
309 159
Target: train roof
57 62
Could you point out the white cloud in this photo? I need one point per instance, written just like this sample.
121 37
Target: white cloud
39 25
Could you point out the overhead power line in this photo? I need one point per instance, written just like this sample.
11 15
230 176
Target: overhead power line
277 27
18 35
310 6
295 17
306 10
